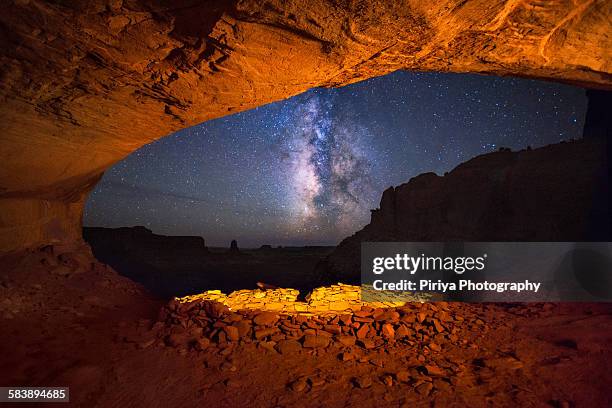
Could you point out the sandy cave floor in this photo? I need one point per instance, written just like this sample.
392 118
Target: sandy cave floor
69 320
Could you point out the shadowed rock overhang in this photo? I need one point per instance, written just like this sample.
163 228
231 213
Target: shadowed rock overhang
84 83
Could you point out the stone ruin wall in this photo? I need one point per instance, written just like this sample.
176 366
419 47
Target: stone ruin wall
334 316
323 300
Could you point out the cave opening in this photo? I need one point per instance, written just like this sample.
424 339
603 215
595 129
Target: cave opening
287 182
421 157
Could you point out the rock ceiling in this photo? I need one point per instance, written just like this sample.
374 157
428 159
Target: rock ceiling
84 83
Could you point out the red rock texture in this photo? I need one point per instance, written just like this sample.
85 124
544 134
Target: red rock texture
69 321
183 324
84 83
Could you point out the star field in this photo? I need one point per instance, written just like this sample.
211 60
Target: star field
307 170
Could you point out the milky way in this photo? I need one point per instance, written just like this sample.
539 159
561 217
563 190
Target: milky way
329 169
307 170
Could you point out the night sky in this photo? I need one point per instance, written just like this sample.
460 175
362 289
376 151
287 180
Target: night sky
307 170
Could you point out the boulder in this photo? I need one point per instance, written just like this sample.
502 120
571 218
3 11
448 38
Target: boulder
288 346
388 331
363 381
231 333
315 341
265 332
265 319
363 331
346 341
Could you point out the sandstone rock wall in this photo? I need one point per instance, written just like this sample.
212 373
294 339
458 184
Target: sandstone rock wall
83 83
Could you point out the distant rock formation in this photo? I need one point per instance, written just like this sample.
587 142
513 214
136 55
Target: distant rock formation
234 247
139 239
147 258
555 193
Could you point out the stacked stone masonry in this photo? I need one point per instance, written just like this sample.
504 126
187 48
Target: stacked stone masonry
323 300
202 322
332 316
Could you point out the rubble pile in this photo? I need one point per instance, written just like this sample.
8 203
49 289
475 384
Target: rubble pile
213 320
